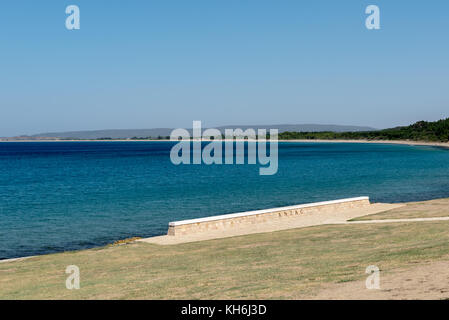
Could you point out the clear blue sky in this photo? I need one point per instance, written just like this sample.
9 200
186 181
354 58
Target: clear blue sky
143 64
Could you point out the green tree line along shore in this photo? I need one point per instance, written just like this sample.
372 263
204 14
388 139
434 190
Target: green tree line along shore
419 131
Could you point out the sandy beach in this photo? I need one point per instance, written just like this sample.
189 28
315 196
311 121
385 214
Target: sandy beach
402 142
405 142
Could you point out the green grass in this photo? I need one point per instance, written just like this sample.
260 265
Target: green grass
280 265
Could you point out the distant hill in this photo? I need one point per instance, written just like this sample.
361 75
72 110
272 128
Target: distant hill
419 131
163 132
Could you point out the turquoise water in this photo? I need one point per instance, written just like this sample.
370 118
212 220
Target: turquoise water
60 196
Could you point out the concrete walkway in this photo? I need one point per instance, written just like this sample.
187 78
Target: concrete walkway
396 220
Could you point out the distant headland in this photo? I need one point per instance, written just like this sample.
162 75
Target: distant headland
163 133
436 132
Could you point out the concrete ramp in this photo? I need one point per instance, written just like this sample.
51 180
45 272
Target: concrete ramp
269 220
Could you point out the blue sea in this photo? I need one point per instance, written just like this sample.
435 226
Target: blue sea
58 196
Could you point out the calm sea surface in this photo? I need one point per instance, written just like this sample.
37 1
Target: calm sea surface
60 196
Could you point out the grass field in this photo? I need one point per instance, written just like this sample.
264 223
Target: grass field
280 265
423 209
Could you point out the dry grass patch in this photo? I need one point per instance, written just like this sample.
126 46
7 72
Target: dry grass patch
279 265
425 209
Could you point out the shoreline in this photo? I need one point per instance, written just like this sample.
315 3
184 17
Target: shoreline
401 142
17 259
